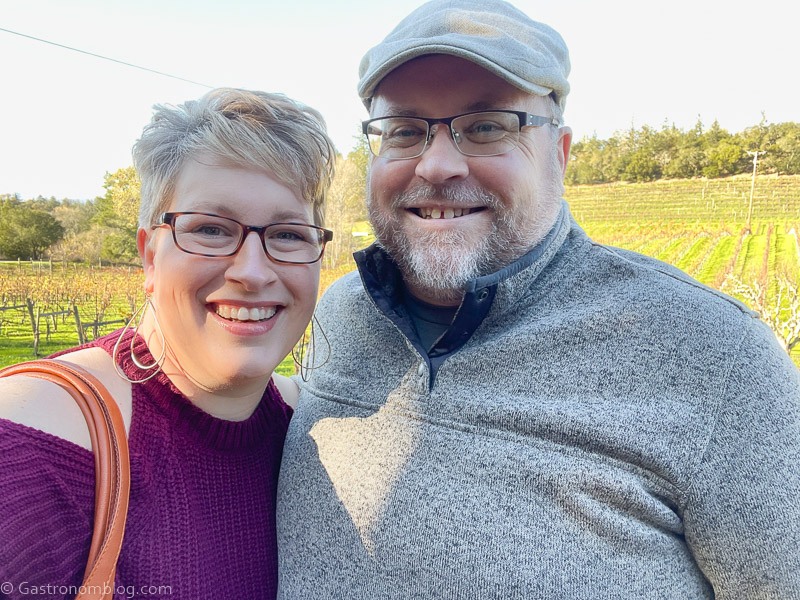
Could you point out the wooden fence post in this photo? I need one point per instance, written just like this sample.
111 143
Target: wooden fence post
34 325
81 334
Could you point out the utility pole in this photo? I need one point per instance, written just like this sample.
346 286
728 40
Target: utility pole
755 156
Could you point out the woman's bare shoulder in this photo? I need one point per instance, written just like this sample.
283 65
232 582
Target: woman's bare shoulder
47 407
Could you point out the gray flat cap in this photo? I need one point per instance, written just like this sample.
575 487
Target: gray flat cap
491 33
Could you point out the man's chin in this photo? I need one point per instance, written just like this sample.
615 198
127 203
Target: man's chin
439 264
440 271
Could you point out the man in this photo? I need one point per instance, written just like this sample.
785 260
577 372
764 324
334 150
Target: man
510 410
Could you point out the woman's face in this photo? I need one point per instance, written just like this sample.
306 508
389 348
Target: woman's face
196 296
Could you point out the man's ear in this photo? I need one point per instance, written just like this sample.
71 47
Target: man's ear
145 243
563 145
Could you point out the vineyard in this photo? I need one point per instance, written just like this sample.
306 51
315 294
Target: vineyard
698 225
707 228
45 307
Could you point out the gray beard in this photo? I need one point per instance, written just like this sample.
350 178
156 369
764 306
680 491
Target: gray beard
441 264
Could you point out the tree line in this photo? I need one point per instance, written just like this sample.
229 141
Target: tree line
104 229
98 230
648 154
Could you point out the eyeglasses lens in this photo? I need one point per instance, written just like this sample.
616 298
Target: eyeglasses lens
211 235
477 134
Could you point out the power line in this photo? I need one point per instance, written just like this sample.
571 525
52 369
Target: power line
121 62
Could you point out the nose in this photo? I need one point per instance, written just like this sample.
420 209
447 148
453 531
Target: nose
251 267
441 161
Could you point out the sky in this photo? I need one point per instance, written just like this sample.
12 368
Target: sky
68 118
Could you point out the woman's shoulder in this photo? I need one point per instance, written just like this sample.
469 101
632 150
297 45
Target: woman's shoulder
47 407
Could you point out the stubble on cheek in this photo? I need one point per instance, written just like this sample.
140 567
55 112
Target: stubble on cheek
440 262
443 262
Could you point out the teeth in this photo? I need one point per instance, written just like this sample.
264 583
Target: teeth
447 213
241 313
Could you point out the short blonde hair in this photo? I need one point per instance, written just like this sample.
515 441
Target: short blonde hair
246 128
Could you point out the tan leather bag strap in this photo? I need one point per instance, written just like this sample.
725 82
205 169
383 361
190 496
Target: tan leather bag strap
112 467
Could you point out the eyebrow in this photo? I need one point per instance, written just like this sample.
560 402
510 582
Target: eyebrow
281 216
290 215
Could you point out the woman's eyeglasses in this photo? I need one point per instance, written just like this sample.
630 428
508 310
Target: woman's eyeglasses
207 234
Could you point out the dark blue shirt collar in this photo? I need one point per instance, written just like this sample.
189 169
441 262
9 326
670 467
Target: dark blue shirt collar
383 282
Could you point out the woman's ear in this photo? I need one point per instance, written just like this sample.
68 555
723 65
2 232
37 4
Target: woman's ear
145 243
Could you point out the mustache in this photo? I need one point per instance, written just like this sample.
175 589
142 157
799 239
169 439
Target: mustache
458 193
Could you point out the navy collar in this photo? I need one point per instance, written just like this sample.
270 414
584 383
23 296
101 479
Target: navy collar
384 283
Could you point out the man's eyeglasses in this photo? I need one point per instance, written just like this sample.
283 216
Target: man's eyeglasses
206 234
481 133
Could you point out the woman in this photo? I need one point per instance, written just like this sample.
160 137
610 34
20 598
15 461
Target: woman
232 200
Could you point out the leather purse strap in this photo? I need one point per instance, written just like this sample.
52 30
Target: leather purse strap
112 467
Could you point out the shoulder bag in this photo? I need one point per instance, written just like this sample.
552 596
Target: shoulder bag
112 468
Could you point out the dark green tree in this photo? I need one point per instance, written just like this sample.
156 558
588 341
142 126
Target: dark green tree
26 233
641 165
714 135
726 158
781 141
591 161
646 154
689 158
784 154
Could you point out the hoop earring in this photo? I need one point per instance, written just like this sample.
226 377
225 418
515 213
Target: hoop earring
302 351
138 316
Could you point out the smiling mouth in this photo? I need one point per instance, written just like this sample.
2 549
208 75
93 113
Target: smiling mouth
447 213
241 313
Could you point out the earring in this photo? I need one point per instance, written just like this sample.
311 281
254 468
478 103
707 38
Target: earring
302 351
138 316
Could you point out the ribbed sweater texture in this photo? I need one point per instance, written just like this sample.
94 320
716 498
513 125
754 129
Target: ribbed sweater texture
201 522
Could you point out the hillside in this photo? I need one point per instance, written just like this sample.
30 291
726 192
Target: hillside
701 226
698 225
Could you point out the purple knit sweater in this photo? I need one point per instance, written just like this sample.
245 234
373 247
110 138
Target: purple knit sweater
201 522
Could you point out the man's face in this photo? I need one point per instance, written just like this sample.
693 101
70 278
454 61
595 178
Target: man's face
447 218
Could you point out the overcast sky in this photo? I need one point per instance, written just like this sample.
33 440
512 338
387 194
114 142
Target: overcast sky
67 118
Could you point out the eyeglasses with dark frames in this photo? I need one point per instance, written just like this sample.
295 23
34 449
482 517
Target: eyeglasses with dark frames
477 133
206 234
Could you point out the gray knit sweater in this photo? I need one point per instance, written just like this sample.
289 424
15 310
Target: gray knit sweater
612 429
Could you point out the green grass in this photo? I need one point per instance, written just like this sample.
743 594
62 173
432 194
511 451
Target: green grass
751 259
694 254
100 294
713 204
718 259
107 294
698 225
676 248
